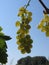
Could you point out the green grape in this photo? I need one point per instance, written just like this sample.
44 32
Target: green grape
18 37
27 26
30 46
28 36
43 29
18 42
31 41
22 26
17 23
22 40
47 34
26 21
19 31
44 25
27 49
20 47
23 37
23 51
47 28
29 18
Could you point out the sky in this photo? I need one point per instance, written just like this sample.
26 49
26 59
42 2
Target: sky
8 16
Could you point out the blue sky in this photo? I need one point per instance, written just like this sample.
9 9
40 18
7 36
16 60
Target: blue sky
8 17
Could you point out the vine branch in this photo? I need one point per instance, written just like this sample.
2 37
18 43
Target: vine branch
46 9
28 3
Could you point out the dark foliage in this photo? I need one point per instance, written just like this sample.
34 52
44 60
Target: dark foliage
38 60
3 47
3 54
5 37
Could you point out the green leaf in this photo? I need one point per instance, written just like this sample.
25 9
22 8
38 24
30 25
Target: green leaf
5 37
1 34
1 28
3 57
3 43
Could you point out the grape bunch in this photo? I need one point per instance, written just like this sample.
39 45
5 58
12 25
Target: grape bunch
24 40
44 25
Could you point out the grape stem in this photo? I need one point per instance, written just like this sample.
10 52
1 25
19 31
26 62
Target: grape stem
27 4
46 9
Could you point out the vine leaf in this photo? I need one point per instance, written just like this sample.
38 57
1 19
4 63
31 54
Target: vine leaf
5 37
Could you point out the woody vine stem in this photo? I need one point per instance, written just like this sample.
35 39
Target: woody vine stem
27 4
46 11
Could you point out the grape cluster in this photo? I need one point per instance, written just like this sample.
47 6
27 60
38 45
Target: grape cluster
44 25
24 40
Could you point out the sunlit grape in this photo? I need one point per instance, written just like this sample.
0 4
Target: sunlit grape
20 47
23 51
44 25
46 18
27 26
27 21
18 42
22 9
23 38
29 18
43 29
20 13
47 34
17 23
22 35
29 13
18 37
